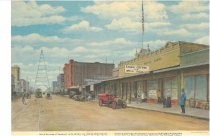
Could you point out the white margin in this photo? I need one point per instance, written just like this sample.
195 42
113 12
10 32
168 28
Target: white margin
5 69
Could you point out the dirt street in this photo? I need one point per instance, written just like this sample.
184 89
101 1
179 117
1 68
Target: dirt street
64 114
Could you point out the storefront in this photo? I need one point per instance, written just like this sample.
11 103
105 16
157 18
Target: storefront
192 75
196 89
170 89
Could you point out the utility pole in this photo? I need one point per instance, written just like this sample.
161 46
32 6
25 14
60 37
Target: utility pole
142 21
41 79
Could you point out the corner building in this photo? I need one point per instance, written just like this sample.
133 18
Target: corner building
176 66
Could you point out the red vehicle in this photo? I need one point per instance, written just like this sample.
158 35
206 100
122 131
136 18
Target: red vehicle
110 100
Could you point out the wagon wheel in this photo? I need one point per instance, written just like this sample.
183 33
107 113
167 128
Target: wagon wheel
100 102
114 105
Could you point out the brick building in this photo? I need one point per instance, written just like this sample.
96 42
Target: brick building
82 73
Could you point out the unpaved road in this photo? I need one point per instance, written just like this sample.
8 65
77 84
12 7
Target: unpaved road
64 114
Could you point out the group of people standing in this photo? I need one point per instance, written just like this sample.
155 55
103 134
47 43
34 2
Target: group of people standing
167 100
24 96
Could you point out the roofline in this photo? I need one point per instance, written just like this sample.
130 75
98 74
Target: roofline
184 54
158 71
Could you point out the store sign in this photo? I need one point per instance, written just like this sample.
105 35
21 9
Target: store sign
142 69
91 87
132 69
152 94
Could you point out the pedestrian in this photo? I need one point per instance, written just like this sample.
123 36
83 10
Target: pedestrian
23 98
143 97
159 96
182 100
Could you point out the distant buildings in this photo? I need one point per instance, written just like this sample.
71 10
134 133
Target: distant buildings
54 86
58 86
18 86
60 83
24 85
77 74
15 79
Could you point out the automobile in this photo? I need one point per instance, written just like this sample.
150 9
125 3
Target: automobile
38 93
111 101
49 95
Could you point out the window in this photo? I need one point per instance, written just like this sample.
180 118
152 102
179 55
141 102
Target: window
200 87
189 86
196 87
171 87
152 85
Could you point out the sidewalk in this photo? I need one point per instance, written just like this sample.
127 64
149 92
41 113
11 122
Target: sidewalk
191 112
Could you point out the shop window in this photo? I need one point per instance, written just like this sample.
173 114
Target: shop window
196 87
189 86
174 88
171 87
152 85
200 87
139 88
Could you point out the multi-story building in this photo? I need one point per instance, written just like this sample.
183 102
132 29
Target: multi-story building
55 86
60 82
16 77
24 86
12 85
81 73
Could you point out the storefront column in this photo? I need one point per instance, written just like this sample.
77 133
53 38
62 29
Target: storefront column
130 89
180 83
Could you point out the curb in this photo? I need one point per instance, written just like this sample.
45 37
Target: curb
203 118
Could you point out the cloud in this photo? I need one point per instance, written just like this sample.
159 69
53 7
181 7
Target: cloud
186 6
126 16
200 26
35 39
191 10
79 50
74 18
117 41
158 11
30 13
156 44
203 40
109 9
56 52
82 26
175 32
120 9
195 16
125 24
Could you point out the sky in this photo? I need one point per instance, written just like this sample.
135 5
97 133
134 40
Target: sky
99 31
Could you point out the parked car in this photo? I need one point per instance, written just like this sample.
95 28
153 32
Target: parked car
111 101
